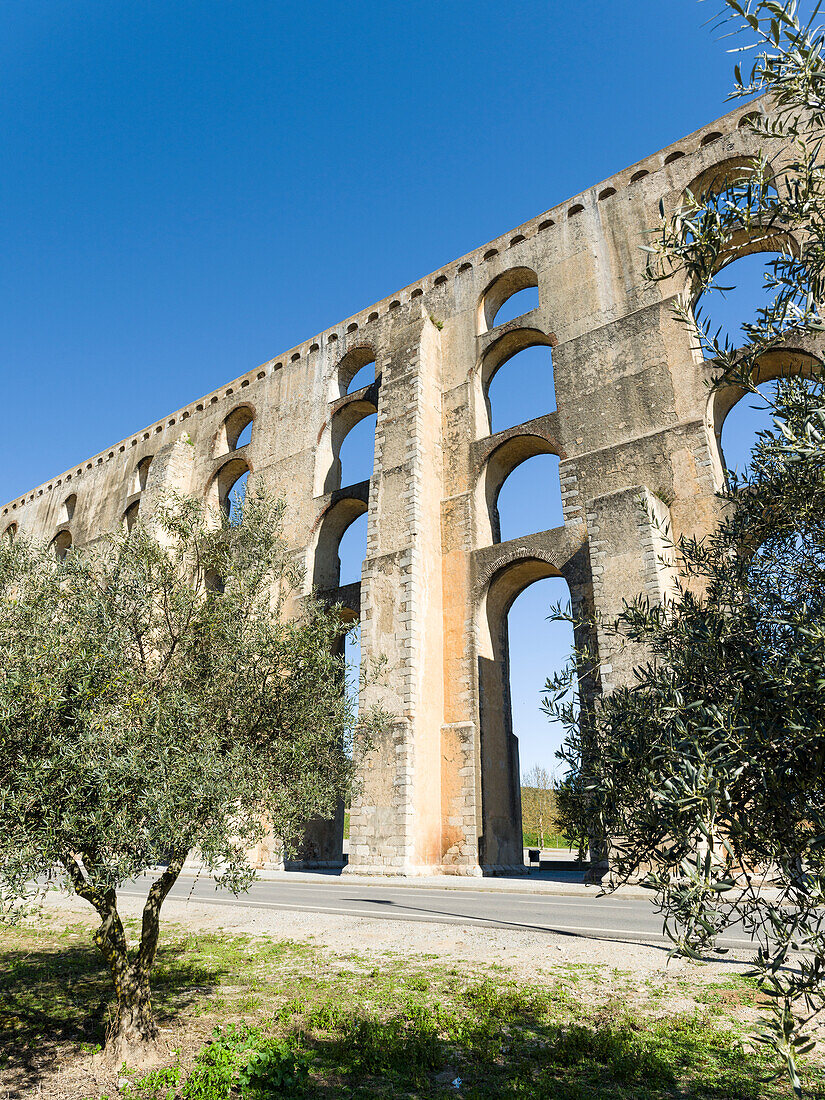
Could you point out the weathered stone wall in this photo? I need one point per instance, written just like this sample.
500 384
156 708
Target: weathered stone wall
638 449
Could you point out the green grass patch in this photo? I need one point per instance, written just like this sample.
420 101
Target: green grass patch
256 1017
551 840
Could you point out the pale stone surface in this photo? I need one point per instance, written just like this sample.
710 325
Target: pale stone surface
638 442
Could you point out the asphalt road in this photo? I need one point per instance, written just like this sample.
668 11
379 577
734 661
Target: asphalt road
606 918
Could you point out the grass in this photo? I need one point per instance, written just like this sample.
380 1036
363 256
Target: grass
551 840
357 1027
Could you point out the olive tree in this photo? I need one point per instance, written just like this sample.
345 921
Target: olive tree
157 702
538 804
707 773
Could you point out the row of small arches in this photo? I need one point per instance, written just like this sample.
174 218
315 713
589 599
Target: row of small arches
234 434
575 208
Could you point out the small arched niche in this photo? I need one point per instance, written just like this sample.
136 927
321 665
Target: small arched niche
61 544
355 366
236 430
512 294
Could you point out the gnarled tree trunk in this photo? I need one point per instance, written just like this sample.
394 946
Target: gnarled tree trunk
135 1029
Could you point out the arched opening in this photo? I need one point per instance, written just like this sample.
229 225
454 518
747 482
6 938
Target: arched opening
350 367
213 582
736 415
738 288
741 287
529 500
357 452
525 388
10 532
328 573
235 497
739 292
364 376
538 649
130 517
352 549
236 430
346 452
141 474
517 289
68 508
62 544
511 676
228 488
522 491
244 436
749 416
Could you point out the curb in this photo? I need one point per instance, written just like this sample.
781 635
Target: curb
442 883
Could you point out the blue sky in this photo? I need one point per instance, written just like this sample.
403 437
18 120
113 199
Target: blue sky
190 188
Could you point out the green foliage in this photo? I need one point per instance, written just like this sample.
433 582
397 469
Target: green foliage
159 1084
242 1058
165 692
273 1068
707 772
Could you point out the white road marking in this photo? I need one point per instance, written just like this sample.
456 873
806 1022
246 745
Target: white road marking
555 899
436 918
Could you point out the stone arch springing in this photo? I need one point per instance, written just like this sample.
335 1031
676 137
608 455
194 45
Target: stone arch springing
507 347
507 457
330 472
350 365
234 430
61 544
501 290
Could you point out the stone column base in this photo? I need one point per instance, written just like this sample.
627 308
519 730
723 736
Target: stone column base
380 870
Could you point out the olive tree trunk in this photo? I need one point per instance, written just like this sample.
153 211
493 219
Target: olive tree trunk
134 1027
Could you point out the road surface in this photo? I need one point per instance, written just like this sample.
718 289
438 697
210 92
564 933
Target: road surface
608 918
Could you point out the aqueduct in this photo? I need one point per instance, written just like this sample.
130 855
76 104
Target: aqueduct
632 424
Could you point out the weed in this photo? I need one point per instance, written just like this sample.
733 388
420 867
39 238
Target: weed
241 1058
401 1028
160 1084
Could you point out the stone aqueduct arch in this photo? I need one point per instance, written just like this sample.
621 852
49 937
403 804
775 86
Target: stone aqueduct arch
633 426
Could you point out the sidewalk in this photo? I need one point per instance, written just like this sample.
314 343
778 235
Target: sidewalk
537 882
562 879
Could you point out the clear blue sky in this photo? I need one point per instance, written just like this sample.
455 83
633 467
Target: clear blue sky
190 188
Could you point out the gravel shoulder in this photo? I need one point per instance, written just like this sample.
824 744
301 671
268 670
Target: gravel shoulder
521 952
